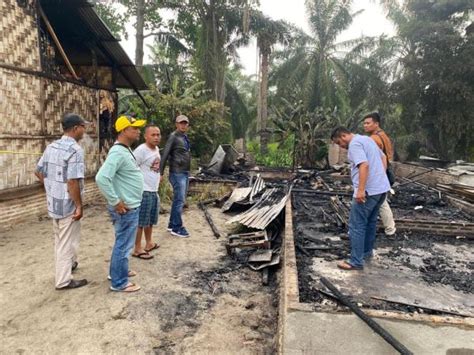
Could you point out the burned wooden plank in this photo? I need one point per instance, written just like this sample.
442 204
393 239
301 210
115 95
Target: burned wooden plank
341 211
248 240
437 227
369 321
302 249
209 220
319 192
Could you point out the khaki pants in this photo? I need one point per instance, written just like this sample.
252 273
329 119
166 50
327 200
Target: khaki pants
386 216
67 234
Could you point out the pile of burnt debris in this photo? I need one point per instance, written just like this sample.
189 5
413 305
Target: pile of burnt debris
431 253
426 267
256 223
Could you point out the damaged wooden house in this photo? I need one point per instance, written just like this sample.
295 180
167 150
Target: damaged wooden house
55 57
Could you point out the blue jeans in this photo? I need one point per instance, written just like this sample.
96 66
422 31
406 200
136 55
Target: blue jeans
362 228
125 226
179 181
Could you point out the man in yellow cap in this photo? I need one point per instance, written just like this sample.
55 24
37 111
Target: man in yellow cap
121 182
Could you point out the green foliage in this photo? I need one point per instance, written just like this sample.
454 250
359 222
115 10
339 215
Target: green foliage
311 71
241 100
114 20
279 154
214 29
310 129
437 92
209 125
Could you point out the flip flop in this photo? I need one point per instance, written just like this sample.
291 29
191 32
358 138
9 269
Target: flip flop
131 287
155 246
344 265
143 256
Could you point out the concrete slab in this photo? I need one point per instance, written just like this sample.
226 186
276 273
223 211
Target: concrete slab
325 333
304 331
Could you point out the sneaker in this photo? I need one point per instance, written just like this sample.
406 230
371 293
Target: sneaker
181 232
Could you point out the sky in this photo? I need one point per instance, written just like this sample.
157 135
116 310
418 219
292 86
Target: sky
371 22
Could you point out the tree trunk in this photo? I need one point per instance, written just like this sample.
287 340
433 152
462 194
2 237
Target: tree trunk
139 33
264 136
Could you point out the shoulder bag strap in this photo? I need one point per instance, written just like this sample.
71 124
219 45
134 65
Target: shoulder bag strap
128 148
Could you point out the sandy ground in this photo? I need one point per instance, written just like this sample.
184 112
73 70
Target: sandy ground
194 299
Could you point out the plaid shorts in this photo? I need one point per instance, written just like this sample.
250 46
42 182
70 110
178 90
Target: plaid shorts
149 209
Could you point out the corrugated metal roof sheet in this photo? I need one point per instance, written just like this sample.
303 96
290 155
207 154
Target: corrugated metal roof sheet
69 13
264 211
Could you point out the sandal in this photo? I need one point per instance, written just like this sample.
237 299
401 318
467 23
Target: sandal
344 265
131 287
144 256
155 246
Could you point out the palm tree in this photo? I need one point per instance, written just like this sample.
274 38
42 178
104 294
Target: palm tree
314 70
268 32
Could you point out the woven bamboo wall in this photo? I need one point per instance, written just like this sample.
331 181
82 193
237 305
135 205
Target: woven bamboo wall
18 35
62 97
20 106
23 141
17 169
31 107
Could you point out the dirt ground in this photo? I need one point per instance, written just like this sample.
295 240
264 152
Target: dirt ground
194 299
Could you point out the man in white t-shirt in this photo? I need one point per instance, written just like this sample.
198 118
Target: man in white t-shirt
148 160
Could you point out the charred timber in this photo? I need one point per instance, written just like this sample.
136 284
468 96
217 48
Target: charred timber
209 220
318 192
369 321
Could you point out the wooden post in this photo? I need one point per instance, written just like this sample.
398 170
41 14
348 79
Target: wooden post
56 41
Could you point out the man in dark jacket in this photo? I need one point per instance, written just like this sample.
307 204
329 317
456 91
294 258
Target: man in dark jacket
178 152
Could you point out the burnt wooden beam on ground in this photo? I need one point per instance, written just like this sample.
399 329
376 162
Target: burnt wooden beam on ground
209 220
319 192
453 229
369 321
341 210
436 227
302 249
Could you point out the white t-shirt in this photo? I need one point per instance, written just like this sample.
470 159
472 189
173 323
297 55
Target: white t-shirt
149 162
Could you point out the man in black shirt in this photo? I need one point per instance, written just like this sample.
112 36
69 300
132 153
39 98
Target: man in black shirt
178 152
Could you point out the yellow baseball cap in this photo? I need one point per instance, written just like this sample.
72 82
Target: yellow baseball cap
127 121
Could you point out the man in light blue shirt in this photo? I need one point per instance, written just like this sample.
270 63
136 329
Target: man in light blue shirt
369 178
121 182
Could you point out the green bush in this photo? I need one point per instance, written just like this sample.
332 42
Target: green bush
279 154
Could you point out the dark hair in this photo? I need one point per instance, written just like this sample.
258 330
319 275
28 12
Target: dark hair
149 125
374 116
338 132
71 120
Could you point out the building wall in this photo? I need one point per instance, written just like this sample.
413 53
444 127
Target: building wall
19 45
23 209
31 109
